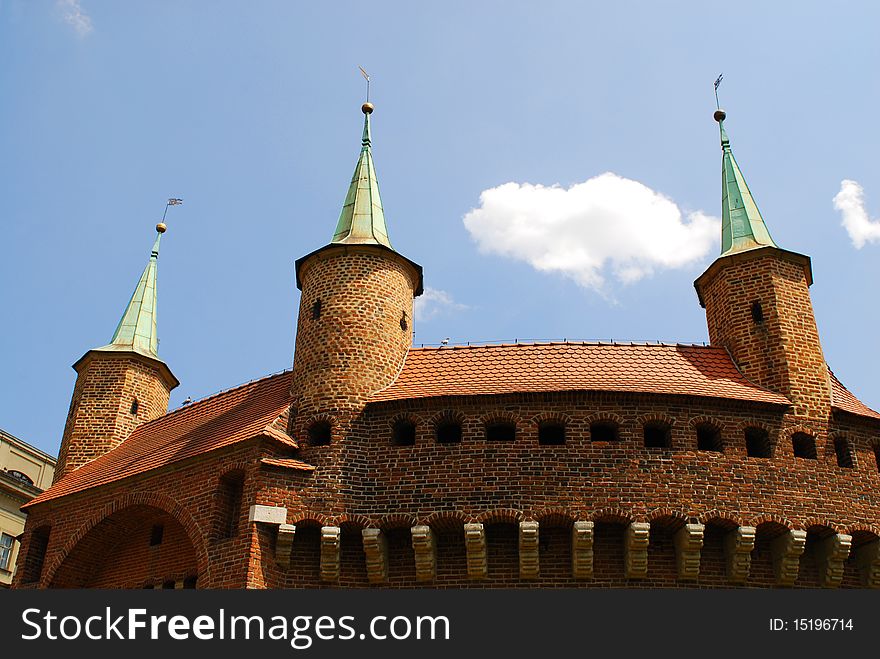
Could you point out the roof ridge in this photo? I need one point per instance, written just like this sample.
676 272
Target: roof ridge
531 344
202 401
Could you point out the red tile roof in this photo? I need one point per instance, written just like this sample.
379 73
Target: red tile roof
501 369
843 399
221 420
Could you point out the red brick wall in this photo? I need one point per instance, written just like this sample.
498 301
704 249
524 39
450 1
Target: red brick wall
783 353
100 415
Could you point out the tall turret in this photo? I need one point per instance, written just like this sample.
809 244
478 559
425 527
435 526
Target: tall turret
120 385
757 300
356 308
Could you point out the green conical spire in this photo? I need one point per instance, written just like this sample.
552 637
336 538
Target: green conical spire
742 227
137 327
362 220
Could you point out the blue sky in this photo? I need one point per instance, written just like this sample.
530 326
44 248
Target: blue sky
250 113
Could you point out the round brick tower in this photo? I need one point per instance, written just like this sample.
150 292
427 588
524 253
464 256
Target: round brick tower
356 310
121 385
757 301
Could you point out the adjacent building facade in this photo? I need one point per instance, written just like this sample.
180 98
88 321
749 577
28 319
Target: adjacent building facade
25 472
373 463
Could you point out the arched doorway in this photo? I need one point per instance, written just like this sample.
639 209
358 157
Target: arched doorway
137 547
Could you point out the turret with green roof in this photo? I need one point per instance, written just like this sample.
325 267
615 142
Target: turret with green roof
742 227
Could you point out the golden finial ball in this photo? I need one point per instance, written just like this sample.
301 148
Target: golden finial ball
367 108
720 115
161 228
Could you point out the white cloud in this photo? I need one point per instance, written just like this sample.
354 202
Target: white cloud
73 14
850 201
605 223
433 302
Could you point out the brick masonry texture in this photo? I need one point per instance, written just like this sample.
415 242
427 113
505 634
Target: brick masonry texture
347 373
100 415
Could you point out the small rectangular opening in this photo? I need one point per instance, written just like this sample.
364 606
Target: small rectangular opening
156 535
657 435
603 431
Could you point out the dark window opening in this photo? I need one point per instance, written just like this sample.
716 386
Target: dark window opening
17 475
757 443
403 433
156 535
658 435
709 438
319 433
404 325
168 585
190 582
449 432
876 448
844 455
134 406
604 431
500 432
757 312
804 446
229 496
316 310
551 434
36 556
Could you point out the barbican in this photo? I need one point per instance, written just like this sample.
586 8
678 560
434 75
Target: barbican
742 463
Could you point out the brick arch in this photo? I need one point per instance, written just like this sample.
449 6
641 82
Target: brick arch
789 431
705 420
446 520
315 419
156 500
656 417
658 514
822 523
395 521
444 416
354 520
599 417
744 424
501 515
413 418
727 518
553 516
500 416
311 517
863 528
613 515
551 417
772 518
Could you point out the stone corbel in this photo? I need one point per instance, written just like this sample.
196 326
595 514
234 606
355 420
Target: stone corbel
424 548
635 557
331 537
787 550
688 542
582 550
529 562
475 545
830 556
284 544
738 546
376 554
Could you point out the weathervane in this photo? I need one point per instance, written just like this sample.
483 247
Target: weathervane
367 78
171 202
717 84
